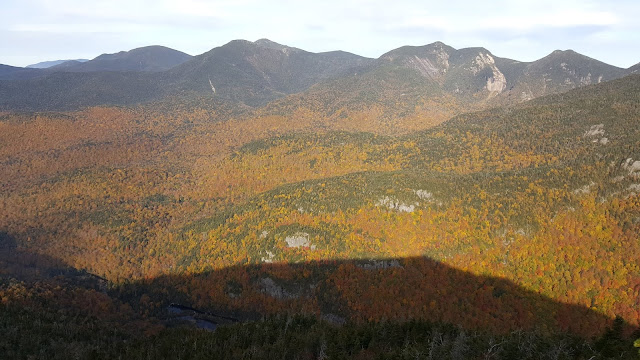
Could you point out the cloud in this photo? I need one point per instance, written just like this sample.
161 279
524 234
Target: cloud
77 28
366 27
514 22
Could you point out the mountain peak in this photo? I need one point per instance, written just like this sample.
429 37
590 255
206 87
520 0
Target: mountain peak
438 44
266 43
565 52
570 56
255 72
239 42
411 51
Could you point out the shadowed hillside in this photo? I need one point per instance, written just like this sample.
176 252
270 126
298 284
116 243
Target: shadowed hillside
415 298
344 308
418 289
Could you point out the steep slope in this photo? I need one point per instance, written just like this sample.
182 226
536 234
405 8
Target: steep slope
465 72
634 69
477 72
148 58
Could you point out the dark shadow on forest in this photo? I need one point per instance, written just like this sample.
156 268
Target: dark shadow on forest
129 321
7 242
416 288
29 267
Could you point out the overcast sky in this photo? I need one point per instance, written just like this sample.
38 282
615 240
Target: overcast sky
39 30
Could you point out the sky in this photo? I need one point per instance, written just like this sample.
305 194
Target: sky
39 30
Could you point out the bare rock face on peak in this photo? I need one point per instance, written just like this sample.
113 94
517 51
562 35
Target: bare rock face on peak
431 61
464 72
477 72
420 86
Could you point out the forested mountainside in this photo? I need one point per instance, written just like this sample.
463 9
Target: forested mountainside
8 72
241 72
500 230
144 59
434 81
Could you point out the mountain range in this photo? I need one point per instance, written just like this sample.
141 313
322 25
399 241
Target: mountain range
255 73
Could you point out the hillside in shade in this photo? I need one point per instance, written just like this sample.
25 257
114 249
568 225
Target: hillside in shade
45 293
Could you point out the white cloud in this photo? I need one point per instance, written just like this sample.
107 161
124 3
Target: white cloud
456 23
557 20
78 28
517 29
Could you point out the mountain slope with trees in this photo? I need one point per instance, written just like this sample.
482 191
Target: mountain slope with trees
342 211
403 83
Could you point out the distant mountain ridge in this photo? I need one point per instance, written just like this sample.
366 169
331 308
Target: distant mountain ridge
148 58
48 64
256 73
144 59
240 71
